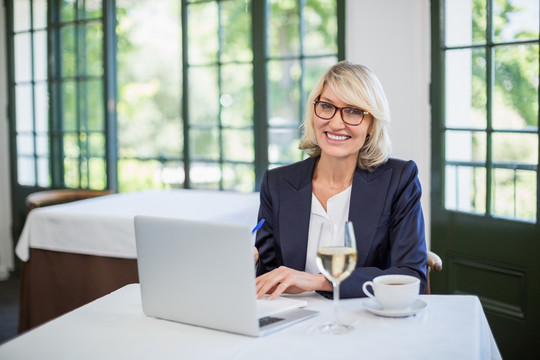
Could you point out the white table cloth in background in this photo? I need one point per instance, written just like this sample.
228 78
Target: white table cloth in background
103 226
114 327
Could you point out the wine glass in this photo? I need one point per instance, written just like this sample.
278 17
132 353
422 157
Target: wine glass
336 260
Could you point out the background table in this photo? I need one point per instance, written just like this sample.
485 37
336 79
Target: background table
76 252
114 327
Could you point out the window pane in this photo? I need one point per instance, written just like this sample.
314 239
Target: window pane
172 174
71 173
97 172
203 33
96 118
71 145
42 107
236 31
313 70
25 145
136 175
44 178
21 15
283 28
465 189
465 22
465 88
238 145
69 100
515 148
238 177
67 10
23 112
96 144
465 146
203 96
40 14
149 83
69 56
92 9
237 95
26 174
515 104
515 19
42 145
526 195
320 27
283 146
204 143
284 92
205 176
23 57
40 55
514 194
94 50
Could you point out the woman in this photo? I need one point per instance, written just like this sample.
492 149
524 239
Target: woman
348 176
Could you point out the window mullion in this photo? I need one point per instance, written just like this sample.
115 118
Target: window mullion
185 95
56 103
219 84
109 93
490 80
260 102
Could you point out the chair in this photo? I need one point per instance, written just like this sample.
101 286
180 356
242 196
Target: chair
434 263
61 196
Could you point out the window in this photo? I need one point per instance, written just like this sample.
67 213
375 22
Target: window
210 92
60 116
29 85
490 62
219 85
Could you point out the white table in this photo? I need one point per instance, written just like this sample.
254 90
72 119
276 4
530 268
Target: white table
114 327
103 226
86 249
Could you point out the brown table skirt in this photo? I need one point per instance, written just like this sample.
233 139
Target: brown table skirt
54 283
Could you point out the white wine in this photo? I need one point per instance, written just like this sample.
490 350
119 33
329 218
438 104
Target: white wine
336 262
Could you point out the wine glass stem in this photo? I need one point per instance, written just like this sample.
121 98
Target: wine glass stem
336 300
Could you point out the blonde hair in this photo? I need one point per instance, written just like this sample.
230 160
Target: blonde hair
358 86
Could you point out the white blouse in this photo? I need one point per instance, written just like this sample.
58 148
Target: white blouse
337 214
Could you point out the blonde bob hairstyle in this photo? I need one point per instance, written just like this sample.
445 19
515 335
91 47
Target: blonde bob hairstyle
357 86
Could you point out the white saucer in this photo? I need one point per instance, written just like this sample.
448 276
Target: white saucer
373 307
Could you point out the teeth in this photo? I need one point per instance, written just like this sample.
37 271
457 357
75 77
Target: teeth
337 137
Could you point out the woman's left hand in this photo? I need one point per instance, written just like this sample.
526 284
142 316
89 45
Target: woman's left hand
290 281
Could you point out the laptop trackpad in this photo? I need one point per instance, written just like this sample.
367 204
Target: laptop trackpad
267 307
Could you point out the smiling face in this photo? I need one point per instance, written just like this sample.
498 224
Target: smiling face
335 138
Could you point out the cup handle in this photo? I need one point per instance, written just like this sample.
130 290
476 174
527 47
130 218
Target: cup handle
364 288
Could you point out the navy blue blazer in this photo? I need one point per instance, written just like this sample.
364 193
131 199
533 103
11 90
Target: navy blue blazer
385 210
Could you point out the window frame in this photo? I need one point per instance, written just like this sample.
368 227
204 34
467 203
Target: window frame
439 127
110 98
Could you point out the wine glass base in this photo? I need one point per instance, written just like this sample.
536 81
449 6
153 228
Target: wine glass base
335 328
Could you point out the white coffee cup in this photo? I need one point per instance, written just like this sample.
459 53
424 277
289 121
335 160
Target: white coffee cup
393 292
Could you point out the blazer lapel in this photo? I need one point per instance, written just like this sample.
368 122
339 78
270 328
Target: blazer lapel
367 202
294 214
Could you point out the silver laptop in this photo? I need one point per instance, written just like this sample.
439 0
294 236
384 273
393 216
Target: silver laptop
202 273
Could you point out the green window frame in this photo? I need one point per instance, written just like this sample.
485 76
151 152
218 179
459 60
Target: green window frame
486 116
68 136
61 139
282 73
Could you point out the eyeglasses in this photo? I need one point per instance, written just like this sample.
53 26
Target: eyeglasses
349 115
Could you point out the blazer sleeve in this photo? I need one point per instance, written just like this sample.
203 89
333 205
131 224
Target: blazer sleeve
403 237
269 253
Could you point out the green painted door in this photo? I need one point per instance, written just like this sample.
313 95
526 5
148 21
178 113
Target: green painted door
485 149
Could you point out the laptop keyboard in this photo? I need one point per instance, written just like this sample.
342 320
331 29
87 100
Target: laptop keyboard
267 320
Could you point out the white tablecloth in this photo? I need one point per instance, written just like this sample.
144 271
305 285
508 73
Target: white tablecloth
103 226
114 327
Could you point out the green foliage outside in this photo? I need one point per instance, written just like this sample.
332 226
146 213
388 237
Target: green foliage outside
515 107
